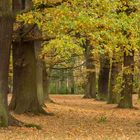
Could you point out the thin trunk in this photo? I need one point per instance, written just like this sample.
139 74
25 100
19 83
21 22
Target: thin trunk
103 79
46 84
72 82
127 87
67 83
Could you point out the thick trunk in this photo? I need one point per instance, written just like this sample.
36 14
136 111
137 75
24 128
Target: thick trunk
113 97
90 91
5 43
103 80
39 73
127 87
90 86
25 97
24 79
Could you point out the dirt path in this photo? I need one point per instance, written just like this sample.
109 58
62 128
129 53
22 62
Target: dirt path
79 119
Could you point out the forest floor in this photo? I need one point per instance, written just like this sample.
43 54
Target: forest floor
79 119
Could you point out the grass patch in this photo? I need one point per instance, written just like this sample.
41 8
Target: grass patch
33 126
102 119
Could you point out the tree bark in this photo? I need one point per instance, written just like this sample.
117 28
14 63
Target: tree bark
46 83
90 91
24 97
6 27
39 73
24 79
72 82
127 86
103 80
116 67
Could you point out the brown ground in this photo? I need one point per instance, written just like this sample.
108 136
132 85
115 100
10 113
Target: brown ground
79 119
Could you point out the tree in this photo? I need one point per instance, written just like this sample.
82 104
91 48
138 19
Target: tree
103 80
25 98
90 91
46 83
5 44
127 90
39 73
131 34
116 68
72 82
6 28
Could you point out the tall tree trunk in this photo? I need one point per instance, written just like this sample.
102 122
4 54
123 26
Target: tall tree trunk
91 73
39 73
116 67
24 79
6 28
103 80
24 97
127 87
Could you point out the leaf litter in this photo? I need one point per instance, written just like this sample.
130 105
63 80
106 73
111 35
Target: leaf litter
76 118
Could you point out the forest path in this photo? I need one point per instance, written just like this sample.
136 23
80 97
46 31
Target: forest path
79 119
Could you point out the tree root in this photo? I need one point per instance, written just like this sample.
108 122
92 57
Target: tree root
14 122
48 100
86 97
44 112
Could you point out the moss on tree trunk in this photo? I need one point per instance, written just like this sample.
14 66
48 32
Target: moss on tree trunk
116 67
127 86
